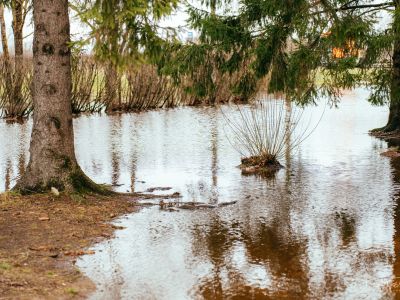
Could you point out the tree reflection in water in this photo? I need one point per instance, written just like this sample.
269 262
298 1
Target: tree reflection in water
327 226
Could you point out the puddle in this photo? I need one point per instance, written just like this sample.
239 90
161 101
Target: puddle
325 226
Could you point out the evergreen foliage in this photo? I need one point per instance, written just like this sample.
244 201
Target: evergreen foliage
126 31
294 43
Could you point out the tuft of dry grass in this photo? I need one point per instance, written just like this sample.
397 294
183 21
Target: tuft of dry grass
265 131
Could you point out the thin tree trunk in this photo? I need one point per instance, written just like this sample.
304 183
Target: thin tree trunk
6 52
4 41
112 77
112 86
52 156
213 6
18 25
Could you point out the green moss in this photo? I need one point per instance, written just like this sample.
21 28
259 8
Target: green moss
41 188
66 162
71 182
84 185
72 291
79 198
5 266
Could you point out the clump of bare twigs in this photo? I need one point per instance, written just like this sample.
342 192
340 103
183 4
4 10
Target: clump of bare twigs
133 89
15 90
88 87
145 89
137 88
265 131
221 93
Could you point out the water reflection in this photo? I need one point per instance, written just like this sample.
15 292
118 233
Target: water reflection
14 146
327 226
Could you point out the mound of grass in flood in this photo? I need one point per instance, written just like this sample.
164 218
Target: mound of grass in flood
264 132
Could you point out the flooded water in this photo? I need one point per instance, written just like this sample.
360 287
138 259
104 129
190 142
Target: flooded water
326 226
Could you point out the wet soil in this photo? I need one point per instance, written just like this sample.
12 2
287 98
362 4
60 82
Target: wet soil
393 140
392 153
41 237
256 165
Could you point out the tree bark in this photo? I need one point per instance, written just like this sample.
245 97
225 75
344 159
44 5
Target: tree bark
112 86
394 109
213 6
52 155
18 26
4 41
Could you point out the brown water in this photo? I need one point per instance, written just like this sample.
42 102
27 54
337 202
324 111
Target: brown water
324 227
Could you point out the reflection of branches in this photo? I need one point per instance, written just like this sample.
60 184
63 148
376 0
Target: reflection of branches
8 174
395 163
283 254
216 242
347 226
214 152
265 246
115 153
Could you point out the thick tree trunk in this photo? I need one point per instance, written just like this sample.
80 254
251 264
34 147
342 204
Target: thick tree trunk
52 158
394 114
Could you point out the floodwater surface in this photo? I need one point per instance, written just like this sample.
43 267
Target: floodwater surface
326 226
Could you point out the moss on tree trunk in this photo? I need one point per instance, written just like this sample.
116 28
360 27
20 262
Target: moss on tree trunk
393 124
52 155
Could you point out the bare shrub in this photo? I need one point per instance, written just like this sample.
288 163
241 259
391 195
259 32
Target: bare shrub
138 89
221 94
88 88
143 89
264 131
15 92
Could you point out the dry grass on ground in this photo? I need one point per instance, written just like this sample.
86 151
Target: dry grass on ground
41 237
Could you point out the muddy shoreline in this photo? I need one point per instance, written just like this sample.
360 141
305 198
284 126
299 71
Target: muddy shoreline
42 236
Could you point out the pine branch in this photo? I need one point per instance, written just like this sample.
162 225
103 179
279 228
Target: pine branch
375 7
362 6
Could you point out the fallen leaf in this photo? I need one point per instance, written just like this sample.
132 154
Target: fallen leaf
16 284
118 227
54 254
79 253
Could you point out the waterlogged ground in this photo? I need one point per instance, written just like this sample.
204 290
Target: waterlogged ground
324 227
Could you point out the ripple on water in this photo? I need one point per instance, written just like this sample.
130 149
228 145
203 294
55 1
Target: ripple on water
324 226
